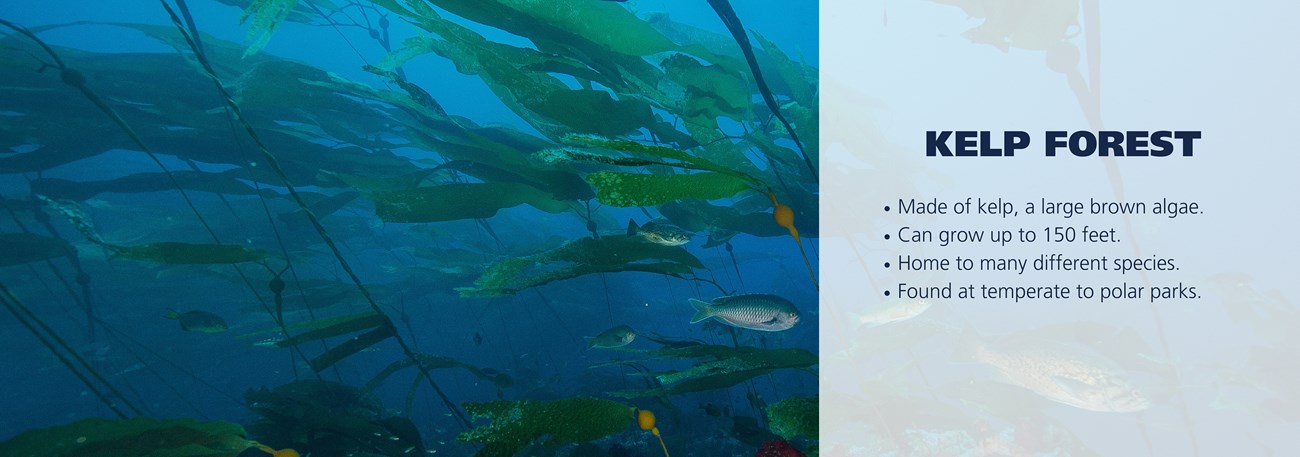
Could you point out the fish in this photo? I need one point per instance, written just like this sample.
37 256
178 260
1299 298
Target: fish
661 234
756 400
713 410
893 310
197 321
272 342
131 369
478 339
768 313
1056 371
619 336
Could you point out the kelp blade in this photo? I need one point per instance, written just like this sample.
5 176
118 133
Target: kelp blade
634 189
729 366
141 436
581 257
353 346
660 152
516 424
188 253
794 416
455 201
20 248
347 324
432 362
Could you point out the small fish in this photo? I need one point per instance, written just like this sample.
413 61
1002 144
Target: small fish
1056 371
893 310
713 410
661 234
615 337
131 369
271 342
768 313
478 339
197 321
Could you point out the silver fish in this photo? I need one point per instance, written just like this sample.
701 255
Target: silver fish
661 234
615 337
764 312
1059 372
893 310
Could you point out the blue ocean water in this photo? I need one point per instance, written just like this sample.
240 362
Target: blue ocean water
108 305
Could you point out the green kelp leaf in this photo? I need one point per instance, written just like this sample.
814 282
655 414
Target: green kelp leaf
379 182
767 145
797 80
301 13
455 201
412 47
20 248
560 184
726 367
606 24
496 63
794 416
646 150
226 183
140 436
432 362
733 163
323 418
574 68
581 257
523 58
699 216
744 360
274 85
320 205
352 346
718 148
521 77
710 42
633 189
593 111
267 16
335 326
174 110
380 329
710 90
187 253
555 156
516 424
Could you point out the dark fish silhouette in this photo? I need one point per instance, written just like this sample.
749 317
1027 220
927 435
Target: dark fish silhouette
197 321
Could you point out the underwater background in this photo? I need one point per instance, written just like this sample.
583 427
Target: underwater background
450 269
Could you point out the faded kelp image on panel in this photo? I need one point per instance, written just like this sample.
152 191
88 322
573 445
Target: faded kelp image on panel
929 357
409 227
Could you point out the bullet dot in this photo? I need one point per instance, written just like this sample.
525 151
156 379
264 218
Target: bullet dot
886 237
886 264
886 208
886 293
